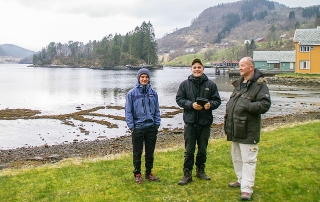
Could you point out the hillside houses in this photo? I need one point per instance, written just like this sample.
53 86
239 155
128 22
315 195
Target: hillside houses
283 36
246 42
190 50
258 40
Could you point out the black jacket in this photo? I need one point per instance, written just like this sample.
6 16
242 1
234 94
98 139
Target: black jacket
187 94
243 111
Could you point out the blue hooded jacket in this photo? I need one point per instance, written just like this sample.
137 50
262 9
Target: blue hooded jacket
142 107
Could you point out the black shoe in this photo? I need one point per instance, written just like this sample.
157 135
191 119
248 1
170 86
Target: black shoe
186 178
201 174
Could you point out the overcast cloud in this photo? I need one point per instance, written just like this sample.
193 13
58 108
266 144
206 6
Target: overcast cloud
33 24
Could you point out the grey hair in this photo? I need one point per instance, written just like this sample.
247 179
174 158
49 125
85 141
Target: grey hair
249 60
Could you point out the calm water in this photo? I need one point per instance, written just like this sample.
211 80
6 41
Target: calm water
59 91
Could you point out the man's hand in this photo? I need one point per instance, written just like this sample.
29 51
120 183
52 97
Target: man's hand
196 106
207 106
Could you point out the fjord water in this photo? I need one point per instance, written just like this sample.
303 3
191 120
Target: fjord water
56 91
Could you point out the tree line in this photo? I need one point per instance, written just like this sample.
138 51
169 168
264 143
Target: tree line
248 7
231 20
311 11
136 47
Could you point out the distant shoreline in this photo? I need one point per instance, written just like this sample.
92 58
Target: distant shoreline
126 67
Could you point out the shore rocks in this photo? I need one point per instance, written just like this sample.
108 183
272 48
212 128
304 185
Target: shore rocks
296 81
25 156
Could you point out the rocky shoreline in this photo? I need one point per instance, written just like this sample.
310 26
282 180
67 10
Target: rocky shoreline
295 81
27 156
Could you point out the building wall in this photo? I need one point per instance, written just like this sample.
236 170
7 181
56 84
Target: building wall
261 64
286 66
313 57
264 65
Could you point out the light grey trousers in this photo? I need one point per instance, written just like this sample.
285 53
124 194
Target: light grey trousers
244 158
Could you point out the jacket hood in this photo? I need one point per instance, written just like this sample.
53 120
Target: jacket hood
257 74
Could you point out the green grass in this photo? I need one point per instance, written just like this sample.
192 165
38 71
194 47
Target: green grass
288 169
185 60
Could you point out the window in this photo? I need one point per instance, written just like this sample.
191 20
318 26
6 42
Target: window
291 65
304 48
304 64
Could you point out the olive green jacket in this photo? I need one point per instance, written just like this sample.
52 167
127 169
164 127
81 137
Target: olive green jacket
242 121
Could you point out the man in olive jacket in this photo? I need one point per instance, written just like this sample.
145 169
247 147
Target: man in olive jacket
248 101
197 118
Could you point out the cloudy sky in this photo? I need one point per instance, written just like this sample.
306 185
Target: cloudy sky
33 24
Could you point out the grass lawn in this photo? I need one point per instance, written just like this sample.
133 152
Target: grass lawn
288 169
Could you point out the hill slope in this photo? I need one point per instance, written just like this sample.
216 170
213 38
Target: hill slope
232 23
14 51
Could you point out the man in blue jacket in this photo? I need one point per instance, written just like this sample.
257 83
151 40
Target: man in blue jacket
143 119
197 118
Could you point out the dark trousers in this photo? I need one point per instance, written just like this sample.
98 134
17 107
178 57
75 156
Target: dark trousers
148 136
195 134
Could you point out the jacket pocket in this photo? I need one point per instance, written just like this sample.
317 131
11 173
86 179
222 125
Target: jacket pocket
239 127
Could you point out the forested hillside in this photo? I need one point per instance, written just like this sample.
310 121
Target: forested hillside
136 47
230 24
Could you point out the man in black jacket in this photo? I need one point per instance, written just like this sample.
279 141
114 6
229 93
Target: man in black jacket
197 117
248 101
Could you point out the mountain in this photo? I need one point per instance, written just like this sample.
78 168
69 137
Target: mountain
14 51
233 23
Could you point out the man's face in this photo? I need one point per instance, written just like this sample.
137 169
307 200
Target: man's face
144 79
197 69
245 68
